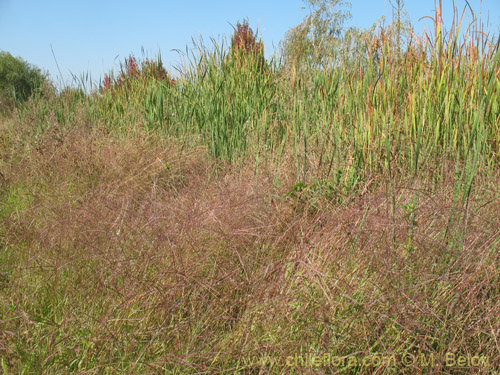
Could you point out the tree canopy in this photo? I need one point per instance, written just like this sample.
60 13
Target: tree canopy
18 79
317 36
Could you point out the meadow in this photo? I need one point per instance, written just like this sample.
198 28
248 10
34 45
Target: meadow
252 216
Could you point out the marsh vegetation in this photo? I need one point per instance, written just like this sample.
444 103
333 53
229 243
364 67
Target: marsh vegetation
247 208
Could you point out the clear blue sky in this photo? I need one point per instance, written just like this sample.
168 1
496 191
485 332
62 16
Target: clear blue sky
94 36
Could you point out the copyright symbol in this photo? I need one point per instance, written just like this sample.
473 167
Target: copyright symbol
408 359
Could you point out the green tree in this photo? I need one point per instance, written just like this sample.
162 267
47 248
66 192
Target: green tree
317 38
18 79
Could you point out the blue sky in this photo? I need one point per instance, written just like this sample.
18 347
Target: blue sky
94 36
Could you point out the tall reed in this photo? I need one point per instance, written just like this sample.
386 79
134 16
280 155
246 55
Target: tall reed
378 112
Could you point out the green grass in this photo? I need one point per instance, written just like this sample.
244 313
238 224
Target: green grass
250 217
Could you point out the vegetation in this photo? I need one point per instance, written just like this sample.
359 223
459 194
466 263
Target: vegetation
132 71
18 80
249 218
317 39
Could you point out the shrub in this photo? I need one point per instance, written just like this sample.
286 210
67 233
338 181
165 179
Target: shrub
132 70
245 47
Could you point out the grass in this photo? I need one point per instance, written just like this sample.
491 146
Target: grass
258 219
